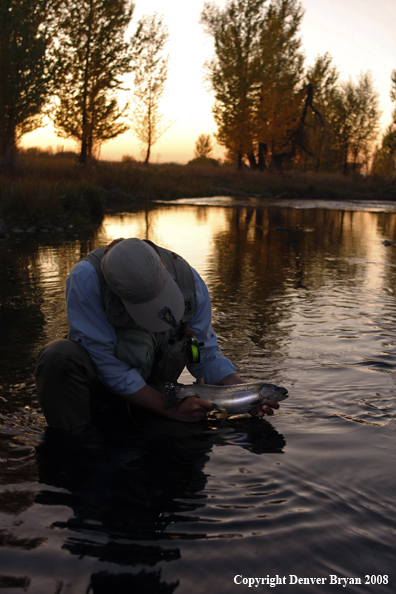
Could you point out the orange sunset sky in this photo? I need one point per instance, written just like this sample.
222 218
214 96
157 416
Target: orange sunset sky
360 35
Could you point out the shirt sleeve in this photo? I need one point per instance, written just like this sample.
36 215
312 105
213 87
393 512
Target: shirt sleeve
89 326
213 366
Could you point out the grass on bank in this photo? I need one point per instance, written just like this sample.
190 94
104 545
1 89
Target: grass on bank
52 191
41 203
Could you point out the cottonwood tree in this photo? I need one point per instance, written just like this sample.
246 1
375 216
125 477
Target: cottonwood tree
393 90
233 73
93 56
256 76
384 157
25 70
203 147
281 95
384 160
389 139
151 71
358 119
322 120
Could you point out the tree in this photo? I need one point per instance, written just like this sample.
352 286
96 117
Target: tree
93 56
389 139
384 161
393 90
234 71
282 93
384 158
203 146
25 69
321 121
358 118
151 71
256 76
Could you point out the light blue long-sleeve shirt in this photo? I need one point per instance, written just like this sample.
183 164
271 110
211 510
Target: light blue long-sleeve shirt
89 326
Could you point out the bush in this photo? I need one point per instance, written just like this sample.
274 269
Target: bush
204 162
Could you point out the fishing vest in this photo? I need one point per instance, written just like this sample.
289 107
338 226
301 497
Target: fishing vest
161 356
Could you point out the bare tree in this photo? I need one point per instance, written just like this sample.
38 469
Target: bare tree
151 71
359 120
93 56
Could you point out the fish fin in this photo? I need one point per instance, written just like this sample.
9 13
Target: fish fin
222 413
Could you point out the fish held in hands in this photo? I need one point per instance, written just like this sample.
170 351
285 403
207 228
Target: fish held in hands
233 399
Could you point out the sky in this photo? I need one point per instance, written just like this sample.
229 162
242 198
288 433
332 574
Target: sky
360 35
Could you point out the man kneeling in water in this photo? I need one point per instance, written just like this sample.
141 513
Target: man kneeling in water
131 308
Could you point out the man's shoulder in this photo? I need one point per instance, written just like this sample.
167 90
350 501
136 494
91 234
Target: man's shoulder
83 268
85 273
82 283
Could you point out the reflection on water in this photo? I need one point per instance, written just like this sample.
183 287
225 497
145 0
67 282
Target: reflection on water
301 297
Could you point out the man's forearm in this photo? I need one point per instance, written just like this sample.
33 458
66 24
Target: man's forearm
189 409
148 398
233 378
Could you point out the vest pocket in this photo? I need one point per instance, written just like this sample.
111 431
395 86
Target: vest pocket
136 348
172 362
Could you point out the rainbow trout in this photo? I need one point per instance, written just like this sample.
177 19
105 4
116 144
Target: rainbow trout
234 399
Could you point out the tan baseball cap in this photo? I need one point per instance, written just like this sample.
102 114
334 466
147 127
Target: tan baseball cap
136 274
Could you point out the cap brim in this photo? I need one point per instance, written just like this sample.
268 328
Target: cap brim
147 314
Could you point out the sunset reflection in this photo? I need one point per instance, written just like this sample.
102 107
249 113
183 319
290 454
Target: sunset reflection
189 231
198 232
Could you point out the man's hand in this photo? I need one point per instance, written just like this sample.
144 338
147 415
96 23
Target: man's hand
257 411
190 410
264 409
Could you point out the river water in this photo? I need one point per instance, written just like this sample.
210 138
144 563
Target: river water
303 296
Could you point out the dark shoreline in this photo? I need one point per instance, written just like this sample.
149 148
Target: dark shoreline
49 194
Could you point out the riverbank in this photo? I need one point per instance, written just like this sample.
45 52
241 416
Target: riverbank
53 193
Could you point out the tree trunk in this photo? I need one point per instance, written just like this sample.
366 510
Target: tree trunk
277 161
149 136
262 147
252 160
84 140
8 149
8 158
345 168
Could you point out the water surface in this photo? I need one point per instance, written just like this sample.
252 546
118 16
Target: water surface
302 297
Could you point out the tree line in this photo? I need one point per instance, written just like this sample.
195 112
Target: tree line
270 110
68 59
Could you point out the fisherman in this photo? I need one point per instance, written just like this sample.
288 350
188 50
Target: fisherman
138 314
